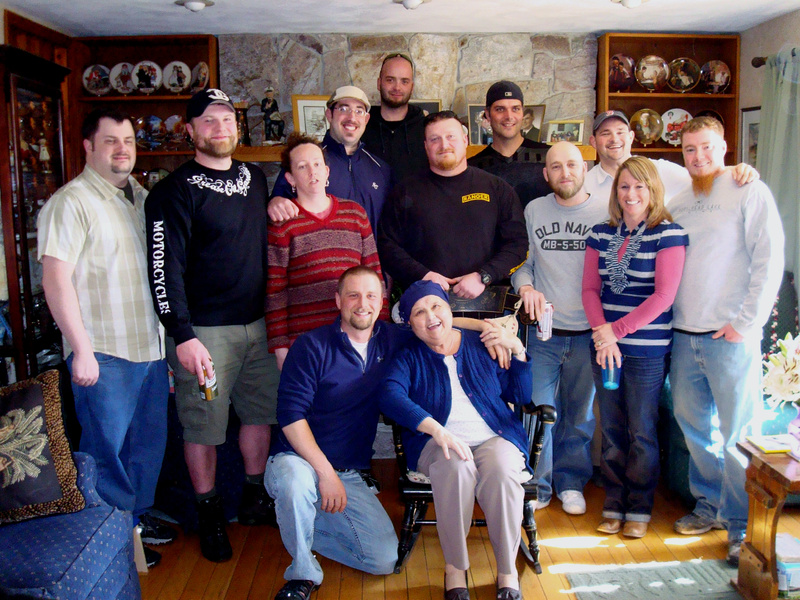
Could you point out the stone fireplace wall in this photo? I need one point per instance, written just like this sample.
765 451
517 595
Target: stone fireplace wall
556 70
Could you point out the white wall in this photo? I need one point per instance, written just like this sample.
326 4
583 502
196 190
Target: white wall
764 40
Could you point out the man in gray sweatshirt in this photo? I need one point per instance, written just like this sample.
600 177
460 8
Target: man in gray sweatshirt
733 269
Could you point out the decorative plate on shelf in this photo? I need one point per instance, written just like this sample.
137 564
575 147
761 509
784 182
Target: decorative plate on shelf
176 131
147 76
122 78
177 76
647 125
684 74
674 121
652 72
620 73
150 132
716 76
200 75
96 80
711 113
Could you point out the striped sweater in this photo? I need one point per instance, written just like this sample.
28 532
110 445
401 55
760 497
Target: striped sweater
653 338
306 257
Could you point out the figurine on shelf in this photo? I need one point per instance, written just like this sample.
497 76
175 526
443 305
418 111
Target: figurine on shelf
273 122
44 155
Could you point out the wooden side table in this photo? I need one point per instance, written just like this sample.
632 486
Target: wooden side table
770 478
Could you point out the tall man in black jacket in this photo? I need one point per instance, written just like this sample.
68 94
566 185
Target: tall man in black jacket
453 224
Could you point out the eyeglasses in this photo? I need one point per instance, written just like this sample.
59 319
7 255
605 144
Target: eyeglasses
346 110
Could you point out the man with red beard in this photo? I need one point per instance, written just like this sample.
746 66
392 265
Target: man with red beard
395 129
734 265
558 225
453 224
207 244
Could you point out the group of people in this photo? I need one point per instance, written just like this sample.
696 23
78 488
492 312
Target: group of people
281 307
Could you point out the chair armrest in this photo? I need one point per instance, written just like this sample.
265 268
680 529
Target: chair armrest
87 478
544 412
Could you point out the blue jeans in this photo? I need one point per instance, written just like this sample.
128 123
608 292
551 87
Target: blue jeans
124 427
361 537
562 377
716 395
628 420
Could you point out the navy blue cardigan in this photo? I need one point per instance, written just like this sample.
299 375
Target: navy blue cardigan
418 386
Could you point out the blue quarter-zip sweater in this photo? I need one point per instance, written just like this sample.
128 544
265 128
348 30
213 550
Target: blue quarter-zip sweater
418 386
361 177
325 381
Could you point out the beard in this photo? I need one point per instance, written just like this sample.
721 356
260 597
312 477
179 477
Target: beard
567 191
361 322
216 148
446 162
387 100
702 184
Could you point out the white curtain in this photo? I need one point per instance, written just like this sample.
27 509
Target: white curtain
778 158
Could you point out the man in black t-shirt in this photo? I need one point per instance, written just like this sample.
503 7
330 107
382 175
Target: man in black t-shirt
511 156
207 246
452 224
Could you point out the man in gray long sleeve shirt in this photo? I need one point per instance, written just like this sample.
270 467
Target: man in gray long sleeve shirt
733 269
558 225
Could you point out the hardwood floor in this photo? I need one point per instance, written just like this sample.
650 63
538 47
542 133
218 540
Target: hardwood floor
259 560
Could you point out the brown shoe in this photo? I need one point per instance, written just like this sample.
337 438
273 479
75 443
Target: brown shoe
610 526
634 529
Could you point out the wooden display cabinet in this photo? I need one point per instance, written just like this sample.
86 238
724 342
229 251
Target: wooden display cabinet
108 51
701 49
31 170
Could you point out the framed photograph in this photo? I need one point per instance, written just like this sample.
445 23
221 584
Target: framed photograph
427 106
748 139
480 132
532 120
565 131
308 113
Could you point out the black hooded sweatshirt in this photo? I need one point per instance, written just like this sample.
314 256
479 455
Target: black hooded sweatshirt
399 143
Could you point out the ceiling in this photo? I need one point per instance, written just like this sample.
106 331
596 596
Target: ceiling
140 17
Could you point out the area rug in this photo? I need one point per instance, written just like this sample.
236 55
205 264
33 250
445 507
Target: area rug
692 580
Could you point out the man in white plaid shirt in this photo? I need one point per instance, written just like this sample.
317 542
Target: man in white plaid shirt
92 249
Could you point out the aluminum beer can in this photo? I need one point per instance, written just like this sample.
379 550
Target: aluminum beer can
208 389
544 326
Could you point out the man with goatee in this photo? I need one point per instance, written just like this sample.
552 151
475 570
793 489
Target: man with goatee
558 225
453 224
207 245
734 265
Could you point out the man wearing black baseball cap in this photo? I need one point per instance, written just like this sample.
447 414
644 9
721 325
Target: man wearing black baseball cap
512 157
207 245
612 138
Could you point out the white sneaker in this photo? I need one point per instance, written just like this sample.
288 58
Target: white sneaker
540 504
573 502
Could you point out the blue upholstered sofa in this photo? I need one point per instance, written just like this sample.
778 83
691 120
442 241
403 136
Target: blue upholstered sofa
83 555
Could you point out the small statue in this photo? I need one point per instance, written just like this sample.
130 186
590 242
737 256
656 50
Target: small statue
44 155
273 122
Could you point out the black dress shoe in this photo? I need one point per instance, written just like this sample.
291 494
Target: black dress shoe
256 507
456 594
507 593
214 544
296 589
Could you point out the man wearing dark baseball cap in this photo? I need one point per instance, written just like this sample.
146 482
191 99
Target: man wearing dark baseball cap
512 157
612 138
207 244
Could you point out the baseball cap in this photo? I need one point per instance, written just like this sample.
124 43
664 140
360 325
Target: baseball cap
503 90
609 114
205 98
348 91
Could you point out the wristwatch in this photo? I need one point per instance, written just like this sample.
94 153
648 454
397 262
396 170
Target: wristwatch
486 279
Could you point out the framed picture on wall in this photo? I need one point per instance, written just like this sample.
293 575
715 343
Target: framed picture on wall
480 132
532 121
428 106
308 113
565 131
748 147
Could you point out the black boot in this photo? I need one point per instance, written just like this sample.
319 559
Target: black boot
214 542
256 506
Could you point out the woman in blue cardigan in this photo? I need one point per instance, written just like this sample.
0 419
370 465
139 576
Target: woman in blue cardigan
452 398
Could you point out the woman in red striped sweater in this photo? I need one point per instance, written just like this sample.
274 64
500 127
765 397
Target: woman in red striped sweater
308 253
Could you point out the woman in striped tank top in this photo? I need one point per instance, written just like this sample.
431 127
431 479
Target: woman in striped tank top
631 274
